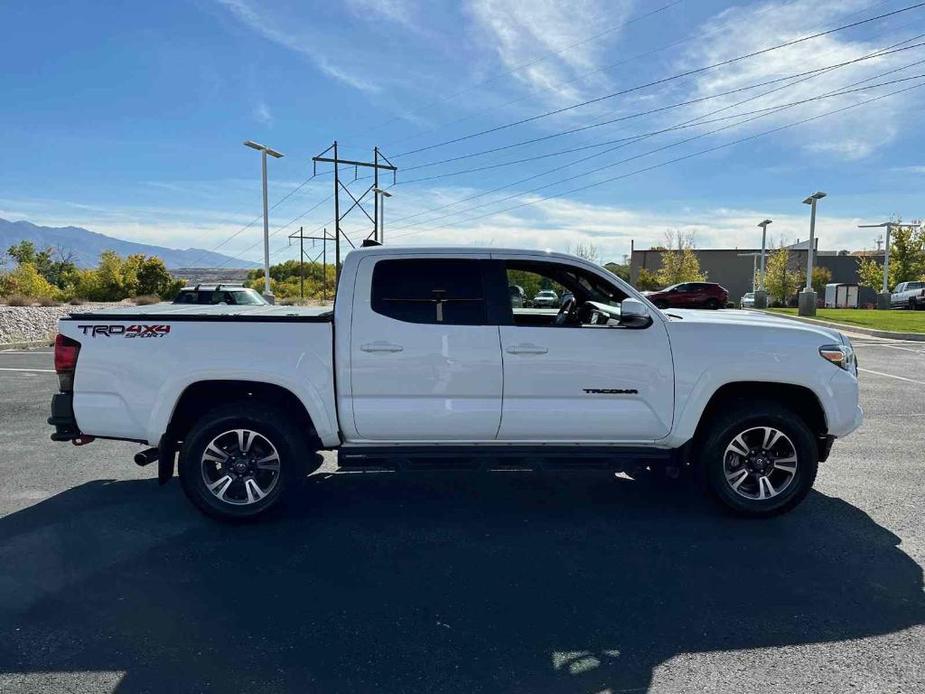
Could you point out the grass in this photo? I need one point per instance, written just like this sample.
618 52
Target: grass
894 321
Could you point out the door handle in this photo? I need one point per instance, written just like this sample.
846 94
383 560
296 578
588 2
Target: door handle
527 348
381 346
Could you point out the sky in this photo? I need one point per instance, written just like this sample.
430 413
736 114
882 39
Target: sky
128 118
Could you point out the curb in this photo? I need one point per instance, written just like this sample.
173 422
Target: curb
912 337
26 345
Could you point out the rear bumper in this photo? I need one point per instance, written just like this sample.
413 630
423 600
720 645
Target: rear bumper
62 417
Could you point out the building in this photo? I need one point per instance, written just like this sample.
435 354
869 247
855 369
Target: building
733 267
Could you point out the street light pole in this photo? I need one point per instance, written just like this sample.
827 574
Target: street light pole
883 298
380 210
264 151
761 294
807 299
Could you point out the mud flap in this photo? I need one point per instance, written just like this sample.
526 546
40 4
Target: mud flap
166 461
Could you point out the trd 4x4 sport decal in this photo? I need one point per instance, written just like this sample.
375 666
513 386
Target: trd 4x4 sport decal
125 330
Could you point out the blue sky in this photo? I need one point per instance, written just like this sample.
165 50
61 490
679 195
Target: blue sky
128 118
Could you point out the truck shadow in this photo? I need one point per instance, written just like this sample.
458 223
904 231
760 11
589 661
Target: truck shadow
434 583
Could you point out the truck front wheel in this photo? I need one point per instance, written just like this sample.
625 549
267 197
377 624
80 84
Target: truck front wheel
758 459
242 459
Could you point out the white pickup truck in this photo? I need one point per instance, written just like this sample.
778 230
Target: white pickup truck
909 295
424 363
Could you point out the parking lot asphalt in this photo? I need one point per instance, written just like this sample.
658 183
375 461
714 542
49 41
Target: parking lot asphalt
463 583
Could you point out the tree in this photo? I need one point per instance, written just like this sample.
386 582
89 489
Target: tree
55 266
26 280
907 259
821 277
780 279
679 261
620 270
586 250
648 280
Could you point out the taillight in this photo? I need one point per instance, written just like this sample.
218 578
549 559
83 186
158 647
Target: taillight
66 351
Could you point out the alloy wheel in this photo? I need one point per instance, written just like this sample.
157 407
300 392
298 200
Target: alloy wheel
760 463
240 467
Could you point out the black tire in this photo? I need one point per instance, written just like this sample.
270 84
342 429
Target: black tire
295 457
748 416
712 304
661 304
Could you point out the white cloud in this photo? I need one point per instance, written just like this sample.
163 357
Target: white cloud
400 12
521 32
303 43
559 223
853 134
262 113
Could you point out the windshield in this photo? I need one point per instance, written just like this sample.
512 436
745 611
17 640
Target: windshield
247 297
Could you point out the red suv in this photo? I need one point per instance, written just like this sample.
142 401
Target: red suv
690 295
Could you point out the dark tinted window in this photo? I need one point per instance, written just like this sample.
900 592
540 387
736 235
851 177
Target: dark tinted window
430 291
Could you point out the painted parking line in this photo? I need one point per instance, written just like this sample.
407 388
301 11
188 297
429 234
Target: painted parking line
35 371
898 378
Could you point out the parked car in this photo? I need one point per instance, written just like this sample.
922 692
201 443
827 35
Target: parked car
909 295
747 300
424 362
546 298
232 294
690 295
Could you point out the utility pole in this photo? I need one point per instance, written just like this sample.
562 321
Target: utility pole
323 256
339 186
264 151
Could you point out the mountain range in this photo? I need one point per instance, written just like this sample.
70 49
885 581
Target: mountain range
85 246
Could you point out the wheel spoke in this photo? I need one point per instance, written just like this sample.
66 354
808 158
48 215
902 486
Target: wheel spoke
254 492
214 454
765 488
738 446
787 464
770 437
244 439
737 477
269 462
220 486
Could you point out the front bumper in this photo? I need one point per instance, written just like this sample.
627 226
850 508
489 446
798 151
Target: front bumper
62 417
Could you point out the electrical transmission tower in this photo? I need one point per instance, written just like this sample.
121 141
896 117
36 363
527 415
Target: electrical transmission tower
323 255
339 186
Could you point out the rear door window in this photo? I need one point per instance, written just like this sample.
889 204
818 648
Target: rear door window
435 291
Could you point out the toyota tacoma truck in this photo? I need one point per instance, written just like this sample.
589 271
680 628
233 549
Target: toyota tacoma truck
425 362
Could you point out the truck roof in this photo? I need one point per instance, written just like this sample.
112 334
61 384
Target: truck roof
460 250
165 311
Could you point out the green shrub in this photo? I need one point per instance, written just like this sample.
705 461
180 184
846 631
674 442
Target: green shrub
25 280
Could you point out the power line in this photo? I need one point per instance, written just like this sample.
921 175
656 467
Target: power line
640 114
763 10
631 141
684 157
256 219
514 70
664 80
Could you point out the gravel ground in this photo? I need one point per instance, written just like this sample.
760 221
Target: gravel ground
34 323
463 583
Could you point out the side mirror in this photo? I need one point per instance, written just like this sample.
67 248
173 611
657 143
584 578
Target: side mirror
634 314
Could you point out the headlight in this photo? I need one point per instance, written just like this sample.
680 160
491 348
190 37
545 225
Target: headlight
840 355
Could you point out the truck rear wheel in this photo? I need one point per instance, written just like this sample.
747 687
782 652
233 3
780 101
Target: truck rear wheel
242 459
759 459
